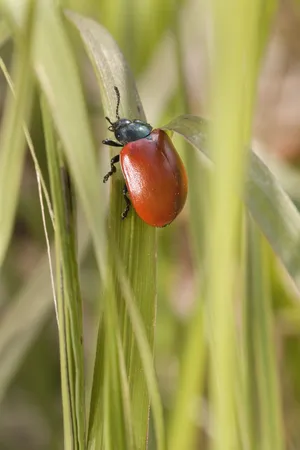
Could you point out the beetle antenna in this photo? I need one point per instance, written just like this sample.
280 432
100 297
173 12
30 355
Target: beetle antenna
118 101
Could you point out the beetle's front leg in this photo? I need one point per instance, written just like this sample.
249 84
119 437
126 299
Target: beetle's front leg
113 161
111 143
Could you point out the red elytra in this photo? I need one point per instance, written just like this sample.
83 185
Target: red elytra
155 178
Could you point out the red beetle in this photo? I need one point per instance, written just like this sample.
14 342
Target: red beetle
155 177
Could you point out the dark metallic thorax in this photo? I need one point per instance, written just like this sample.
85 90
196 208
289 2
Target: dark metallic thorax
128 131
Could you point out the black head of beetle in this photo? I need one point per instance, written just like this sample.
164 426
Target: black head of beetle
126 130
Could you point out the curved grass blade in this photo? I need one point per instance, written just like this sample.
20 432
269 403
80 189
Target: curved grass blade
111 68
270 206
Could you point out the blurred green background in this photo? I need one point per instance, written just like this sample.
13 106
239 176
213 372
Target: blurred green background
168 45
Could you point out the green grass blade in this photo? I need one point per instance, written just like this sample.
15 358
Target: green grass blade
12 139
70 309
270 206
265 385
183 428
226 186
144 349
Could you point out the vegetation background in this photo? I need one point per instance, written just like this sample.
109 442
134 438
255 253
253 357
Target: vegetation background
226 313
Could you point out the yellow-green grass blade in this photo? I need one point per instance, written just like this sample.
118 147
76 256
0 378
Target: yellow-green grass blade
70 309
261 378
12 139
132 239
237 44
269 205
236 52
225 188
183 428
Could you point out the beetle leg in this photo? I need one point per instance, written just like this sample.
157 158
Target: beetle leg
128 202
113 161
111 143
